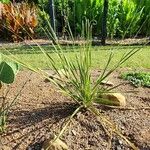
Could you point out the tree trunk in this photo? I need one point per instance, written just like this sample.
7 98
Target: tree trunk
52 14
53 24
104 22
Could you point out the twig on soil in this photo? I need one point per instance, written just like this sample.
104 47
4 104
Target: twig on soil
68 122
127 108
104 127
112 126
109 142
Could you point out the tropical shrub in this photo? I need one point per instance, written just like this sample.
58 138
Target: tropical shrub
145 18
129 16
124 16
72 13
113 21
4 1
42 23
91 10
64 15
18 21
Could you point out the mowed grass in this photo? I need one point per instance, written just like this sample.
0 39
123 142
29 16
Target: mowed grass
100 54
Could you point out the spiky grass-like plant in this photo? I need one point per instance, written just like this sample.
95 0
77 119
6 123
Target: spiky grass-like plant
79 85
75 80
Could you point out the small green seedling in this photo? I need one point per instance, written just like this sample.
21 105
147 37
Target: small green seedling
8 71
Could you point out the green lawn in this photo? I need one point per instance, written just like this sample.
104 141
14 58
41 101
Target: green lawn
36 58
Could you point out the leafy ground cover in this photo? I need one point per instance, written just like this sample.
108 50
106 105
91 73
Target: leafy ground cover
137 78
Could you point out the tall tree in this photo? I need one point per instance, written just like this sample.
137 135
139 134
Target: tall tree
104 22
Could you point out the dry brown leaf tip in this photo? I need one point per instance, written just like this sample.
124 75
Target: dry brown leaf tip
58 144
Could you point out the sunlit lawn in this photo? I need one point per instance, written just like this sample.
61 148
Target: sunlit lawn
36 58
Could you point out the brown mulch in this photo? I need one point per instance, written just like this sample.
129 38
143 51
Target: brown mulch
44 41
41 111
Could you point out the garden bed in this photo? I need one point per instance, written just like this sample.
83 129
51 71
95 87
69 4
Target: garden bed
44 41
41 111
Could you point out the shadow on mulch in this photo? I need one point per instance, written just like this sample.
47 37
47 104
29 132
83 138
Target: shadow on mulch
55 112
48 116
145 148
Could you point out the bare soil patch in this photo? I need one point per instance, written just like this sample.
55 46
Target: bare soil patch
41 111
95 41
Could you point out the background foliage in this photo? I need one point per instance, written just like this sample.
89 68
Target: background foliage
17 21
126 18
